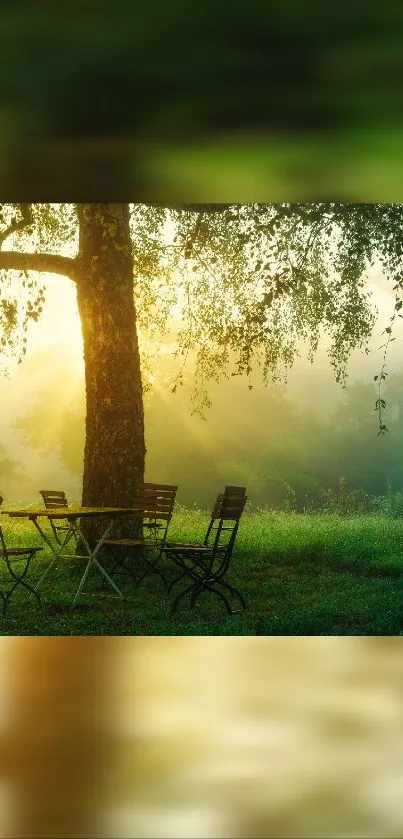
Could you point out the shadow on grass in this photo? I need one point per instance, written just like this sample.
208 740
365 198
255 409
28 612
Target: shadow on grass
299 576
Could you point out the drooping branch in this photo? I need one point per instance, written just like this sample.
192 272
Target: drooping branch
193 236
18 224
43 262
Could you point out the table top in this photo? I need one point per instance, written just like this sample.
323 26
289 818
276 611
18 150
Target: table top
72 512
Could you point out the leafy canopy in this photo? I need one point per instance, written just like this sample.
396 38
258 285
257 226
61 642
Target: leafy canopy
234 287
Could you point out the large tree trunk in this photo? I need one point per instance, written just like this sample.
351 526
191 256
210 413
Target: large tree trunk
115 448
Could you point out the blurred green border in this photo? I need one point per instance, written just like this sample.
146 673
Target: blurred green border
360 166
346 166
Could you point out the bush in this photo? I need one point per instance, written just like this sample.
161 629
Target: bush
390 504
346 502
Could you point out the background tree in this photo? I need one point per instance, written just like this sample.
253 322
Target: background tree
248 281
354 427
273 444
10 470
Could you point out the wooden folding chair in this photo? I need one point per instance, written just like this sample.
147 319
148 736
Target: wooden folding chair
153 507
10 557
53 499
207 564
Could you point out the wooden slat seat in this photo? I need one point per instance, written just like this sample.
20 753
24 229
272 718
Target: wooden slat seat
154 504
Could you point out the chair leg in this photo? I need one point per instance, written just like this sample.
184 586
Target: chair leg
152 567
179 597
148 571
120 563
219 594
233 590
137 580
172 583
196 588
9 594
19 580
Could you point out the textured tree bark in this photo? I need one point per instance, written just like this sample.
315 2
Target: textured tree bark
115 447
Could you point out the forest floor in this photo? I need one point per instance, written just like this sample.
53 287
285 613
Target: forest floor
316 574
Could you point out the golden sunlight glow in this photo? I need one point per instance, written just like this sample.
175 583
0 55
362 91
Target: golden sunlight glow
59 321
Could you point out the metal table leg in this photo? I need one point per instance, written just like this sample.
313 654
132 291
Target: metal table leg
93 561
56 553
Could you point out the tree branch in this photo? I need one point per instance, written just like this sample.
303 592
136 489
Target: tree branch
193 236
25 220
43 262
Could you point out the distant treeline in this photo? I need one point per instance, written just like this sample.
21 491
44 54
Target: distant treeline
287 457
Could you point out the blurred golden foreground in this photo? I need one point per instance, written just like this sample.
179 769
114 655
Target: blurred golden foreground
201 737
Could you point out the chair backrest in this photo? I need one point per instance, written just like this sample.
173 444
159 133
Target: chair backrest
226 514
232 491
54 498
156 499
229 492
227 510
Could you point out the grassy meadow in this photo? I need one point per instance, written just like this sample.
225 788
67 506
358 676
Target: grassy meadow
301 574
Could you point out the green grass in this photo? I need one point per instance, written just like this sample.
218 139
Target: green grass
300 575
